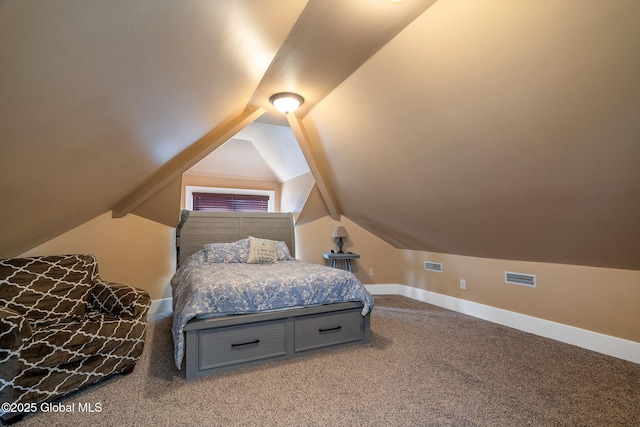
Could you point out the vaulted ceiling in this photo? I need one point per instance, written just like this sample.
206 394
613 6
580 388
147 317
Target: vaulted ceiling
495 129
261 151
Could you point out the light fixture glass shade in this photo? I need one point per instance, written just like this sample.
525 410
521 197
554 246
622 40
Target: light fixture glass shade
339 232
286 102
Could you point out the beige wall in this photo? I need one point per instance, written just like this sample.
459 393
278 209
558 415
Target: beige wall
131 250
597 299
314 238
141 252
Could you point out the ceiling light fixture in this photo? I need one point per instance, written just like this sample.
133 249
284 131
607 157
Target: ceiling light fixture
286 102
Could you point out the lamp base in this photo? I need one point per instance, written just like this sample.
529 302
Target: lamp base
340 243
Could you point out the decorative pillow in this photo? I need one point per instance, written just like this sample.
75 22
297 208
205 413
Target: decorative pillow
262 251
282 251
227 252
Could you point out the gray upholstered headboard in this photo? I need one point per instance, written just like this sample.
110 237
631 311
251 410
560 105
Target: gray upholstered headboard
197 228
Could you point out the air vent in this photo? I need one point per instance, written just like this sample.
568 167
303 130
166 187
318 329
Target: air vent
520 279
433 266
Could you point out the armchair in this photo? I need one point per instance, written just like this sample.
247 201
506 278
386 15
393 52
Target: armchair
63 328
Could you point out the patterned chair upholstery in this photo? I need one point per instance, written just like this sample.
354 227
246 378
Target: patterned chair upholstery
62 328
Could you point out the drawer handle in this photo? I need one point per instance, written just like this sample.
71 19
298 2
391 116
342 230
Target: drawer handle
337 328
245 343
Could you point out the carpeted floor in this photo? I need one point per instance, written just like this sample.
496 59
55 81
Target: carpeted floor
425 366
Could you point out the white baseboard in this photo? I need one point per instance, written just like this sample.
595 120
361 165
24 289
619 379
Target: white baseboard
601 343
161 306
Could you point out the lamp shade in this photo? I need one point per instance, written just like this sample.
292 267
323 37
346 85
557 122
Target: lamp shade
286 102
339 232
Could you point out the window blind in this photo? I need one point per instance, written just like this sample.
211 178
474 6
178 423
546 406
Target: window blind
230 202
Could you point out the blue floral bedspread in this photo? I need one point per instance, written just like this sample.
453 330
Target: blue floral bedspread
202 289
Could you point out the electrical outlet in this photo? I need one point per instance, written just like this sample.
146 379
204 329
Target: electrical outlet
463 284
371 272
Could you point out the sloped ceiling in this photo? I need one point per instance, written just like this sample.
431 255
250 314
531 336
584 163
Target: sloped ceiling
495 129
262 152
95 96
237 159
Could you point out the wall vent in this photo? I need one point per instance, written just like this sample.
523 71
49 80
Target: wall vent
520 279
433 266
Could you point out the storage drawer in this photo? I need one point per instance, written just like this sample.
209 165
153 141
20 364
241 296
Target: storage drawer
237 344
322 330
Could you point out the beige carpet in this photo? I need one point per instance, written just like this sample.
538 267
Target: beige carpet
425 366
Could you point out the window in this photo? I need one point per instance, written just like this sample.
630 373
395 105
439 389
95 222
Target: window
230 202
190 190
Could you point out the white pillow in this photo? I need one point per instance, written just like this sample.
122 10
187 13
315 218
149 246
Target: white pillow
262 251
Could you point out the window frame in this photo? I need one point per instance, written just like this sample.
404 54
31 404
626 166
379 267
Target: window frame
190 189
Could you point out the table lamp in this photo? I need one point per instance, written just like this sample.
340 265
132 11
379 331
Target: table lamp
339 233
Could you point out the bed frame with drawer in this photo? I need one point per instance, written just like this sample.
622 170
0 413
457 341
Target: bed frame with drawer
219 344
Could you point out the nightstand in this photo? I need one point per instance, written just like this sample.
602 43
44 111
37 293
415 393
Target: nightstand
346 256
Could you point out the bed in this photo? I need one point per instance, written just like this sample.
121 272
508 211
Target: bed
230 313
